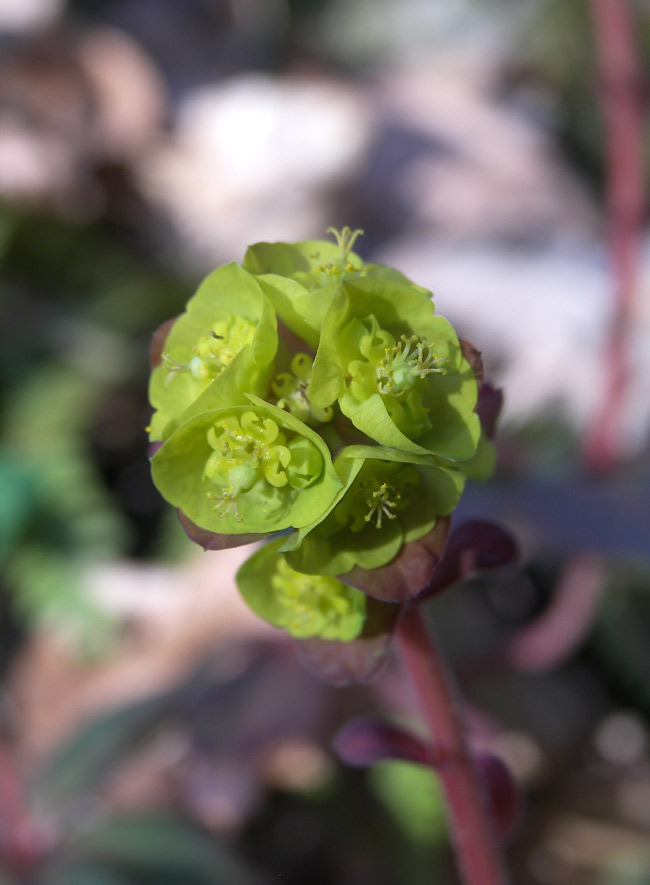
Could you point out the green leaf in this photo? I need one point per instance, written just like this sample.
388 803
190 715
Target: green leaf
413 795
304 605
158 848
19 501
99 745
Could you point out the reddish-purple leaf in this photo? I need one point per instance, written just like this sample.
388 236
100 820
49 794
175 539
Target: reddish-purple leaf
213 540
474 358
474 546
488 408
158 342
358 661
409 573
367 741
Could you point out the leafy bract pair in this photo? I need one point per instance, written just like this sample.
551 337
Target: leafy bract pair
310 393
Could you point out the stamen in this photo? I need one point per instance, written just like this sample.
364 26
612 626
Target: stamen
408 361
213 352
250 451
383 502
226 503
292 392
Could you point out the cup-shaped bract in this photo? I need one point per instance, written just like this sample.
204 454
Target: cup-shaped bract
302 278
227 336
244 469
389 499
306 606
316 264
396 370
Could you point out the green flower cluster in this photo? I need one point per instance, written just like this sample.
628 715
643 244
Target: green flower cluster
311 393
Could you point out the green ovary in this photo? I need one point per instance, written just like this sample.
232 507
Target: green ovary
291 390
252 455
214 351
379 493
314 605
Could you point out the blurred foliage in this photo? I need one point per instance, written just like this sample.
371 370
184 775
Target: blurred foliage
147 849
621 636
414 797
81 304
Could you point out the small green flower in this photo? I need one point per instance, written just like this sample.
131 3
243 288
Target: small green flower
315 264
396 370
292 392
389 498
244 469
226 336
301 279
305 605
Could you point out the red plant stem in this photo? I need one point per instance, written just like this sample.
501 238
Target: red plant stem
477 849
620 80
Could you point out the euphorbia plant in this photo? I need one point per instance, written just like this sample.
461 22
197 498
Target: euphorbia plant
318 401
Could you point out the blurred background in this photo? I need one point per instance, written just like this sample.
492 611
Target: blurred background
152 731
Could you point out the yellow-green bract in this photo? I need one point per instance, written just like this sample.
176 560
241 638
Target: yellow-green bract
306 606
310 391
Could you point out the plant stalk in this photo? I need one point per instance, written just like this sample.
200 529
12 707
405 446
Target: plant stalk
477 850
622 109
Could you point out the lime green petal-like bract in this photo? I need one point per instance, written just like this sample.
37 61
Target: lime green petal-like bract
396 370
227 336
246 469
314 264
306 606
389 498
302 278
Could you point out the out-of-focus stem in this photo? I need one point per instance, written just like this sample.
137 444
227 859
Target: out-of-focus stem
620 88
568 618
477 850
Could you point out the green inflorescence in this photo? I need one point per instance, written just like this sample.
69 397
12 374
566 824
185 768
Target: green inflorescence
380 492
312 391
214 351
305 605
292 392
314 605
